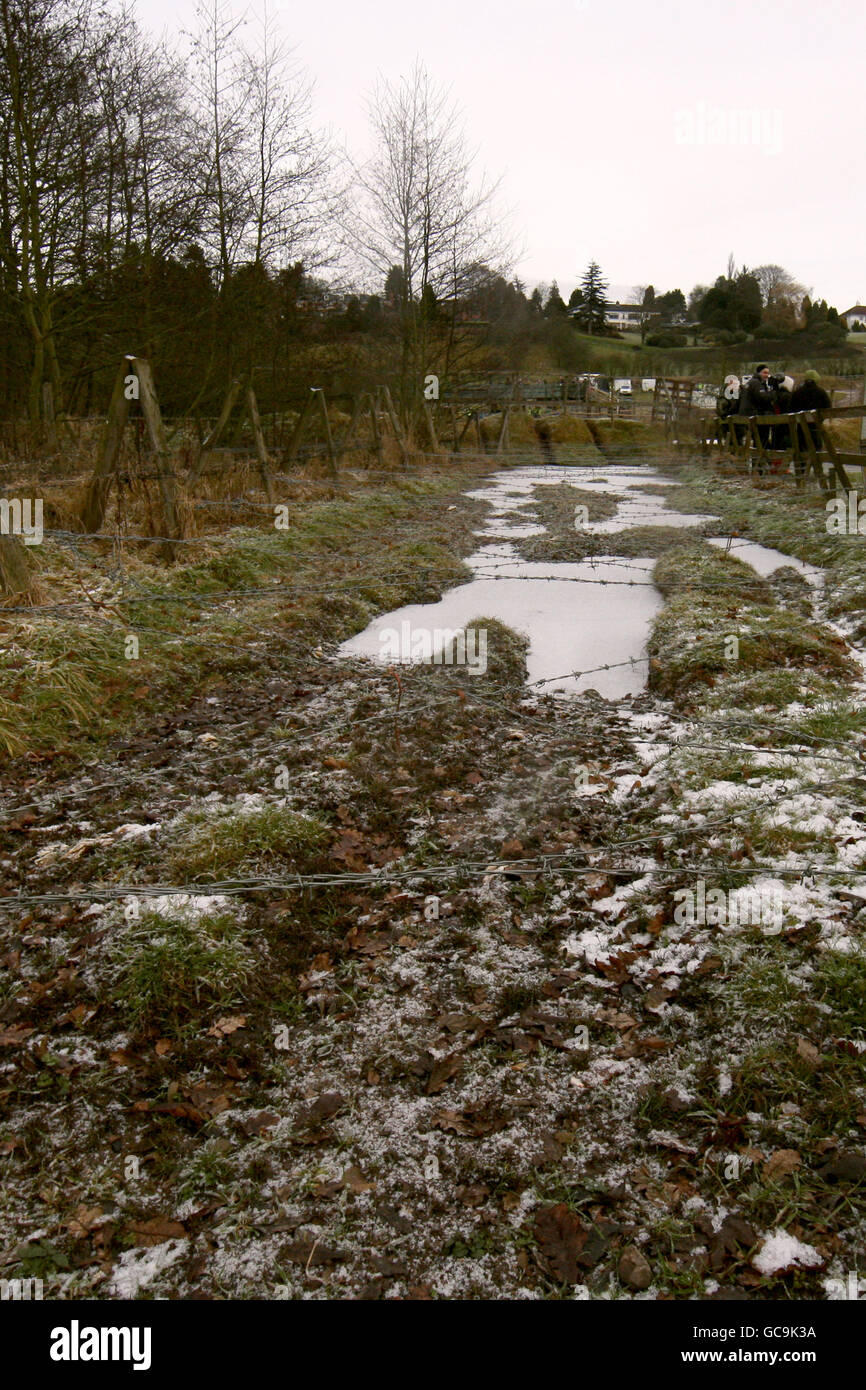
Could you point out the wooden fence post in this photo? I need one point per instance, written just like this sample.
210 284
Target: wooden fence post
301 422
395 425
431 427
96 497
328 436
503 430
261 451
830 448
14 567
156 434
374 425
210 440
352 427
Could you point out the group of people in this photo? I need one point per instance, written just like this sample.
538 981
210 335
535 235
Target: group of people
764 393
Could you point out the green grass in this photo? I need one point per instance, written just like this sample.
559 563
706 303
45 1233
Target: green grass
213 847
66 683
695 567
690 639
172 968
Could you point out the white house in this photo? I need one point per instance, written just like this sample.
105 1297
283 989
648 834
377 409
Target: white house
625 315
857 314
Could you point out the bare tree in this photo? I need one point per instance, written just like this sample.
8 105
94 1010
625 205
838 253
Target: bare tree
777 284
418 208
290 162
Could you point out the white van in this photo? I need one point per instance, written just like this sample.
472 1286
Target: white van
622 386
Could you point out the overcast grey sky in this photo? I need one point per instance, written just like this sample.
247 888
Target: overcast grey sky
654 137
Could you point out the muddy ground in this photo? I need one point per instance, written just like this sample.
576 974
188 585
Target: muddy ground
327 981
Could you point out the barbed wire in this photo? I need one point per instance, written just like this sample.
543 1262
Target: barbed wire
437 872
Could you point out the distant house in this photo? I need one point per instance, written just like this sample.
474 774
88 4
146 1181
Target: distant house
625 315
857 314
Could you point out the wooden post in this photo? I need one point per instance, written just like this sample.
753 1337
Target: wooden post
14 566
261 451
329 440
374 424
210 440
352 427
863 423
813 457
395 424
478 435
96 497
431 428
503 430
156 434
833 456
301 422
797 452
455 448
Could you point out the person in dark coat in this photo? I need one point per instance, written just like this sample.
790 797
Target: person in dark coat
810 396
757 399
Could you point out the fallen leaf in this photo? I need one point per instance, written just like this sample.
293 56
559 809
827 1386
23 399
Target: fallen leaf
561 1238
781 1163
354 1179
13 1037
155 1231
226 1026
808 1052
259 1123
443 1071
326 1106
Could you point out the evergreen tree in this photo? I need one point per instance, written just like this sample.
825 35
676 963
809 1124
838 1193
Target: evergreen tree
555 306
591 314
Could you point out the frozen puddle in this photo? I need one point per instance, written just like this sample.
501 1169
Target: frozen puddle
764 560
577 617
573 622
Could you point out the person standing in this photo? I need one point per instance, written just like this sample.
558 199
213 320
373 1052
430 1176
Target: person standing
810 396
757 399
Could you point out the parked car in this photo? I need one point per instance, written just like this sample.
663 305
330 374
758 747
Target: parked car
622 386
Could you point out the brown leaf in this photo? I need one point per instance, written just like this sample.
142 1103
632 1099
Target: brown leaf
155 1231
453 1120
473 1195
808 1052
163 1047
781 1163
259 1123
326 1106
561 1238
83 1221
443 1071
13 1037
226 1026
354 1179
122 1058
212 1098
176 1109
